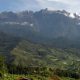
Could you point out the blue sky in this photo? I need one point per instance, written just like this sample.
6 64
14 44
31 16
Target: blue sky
20 5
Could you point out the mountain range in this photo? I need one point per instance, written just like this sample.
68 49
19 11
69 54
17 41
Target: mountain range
40 38
42 26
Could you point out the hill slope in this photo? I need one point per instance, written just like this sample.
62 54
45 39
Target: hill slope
30 54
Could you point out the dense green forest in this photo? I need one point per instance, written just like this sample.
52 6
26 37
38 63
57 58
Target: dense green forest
13 72
38 62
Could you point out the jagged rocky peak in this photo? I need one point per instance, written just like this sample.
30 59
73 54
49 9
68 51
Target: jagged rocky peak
23 13
77 15
10 13
64 12
30 14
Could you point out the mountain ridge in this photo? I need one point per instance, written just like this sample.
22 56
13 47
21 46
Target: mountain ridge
43 26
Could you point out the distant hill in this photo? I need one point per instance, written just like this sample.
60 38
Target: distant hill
19 51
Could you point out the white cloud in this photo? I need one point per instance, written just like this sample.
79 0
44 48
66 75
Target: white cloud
67 1
70 5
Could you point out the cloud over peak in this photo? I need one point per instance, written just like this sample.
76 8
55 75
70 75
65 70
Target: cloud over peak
70 5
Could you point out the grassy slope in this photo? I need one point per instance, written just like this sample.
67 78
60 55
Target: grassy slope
30 54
